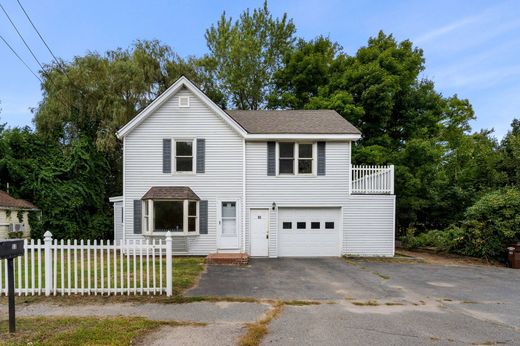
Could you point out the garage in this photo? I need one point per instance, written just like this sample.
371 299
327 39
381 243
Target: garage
309 232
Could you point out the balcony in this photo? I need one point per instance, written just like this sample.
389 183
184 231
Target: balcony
372 180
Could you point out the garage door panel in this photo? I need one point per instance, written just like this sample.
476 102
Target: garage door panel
309 232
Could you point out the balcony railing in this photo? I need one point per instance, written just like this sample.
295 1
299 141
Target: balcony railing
372 180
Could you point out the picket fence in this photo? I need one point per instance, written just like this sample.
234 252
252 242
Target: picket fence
68 267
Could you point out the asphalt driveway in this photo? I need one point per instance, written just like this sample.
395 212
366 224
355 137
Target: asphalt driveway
365 302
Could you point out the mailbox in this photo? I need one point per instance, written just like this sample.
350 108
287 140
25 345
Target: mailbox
11 248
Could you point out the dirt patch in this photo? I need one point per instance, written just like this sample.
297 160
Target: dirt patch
432 257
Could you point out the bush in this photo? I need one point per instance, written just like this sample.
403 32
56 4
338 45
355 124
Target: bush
489 226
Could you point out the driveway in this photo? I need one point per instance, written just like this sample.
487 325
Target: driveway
377 303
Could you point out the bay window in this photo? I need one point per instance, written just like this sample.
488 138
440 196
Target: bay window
177 216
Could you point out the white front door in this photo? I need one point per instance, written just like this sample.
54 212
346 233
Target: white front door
228 224
259 223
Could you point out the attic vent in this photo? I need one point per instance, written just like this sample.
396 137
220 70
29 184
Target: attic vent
184 101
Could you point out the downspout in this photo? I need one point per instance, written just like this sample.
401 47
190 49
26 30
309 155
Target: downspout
244 201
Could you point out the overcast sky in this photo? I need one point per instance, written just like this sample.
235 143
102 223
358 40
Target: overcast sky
471 47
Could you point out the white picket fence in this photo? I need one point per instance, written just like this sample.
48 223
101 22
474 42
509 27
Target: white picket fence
372 179
68 267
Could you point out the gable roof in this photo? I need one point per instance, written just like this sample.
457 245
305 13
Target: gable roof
321 121
260 125
171 193
172 90
7 201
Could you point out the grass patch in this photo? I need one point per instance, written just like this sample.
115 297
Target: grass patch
258 330
367 303
301 302
393 303
79 330
382 276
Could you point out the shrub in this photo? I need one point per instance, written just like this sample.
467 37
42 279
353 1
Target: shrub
488 227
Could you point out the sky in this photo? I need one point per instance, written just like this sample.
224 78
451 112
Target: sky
471 47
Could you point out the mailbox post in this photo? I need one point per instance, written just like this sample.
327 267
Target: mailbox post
9 249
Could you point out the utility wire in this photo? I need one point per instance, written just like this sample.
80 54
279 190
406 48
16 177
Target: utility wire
58 62
19 34
19 58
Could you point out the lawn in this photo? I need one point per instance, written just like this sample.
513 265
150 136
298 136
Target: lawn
185 271
57 331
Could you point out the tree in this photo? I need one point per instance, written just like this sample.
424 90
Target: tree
245 54
510 154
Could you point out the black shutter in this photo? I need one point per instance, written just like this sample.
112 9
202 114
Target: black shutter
137 216
167 155
321 158
201 155
271 158
203 217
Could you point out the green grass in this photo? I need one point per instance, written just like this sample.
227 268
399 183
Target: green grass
185 272
57 331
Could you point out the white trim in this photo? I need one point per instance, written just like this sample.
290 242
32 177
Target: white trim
238 222
182 81
115 199
296 158
185 216
124 191
244 200
193 156
296 137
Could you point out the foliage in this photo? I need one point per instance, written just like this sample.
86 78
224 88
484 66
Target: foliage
246 53
510 154
15 235
491 224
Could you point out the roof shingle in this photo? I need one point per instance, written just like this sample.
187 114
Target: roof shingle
171 192
7 201
321 121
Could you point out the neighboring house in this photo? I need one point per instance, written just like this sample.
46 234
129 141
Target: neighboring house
266 183
14 215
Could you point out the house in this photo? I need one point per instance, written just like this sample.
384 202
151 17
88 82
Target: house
265 183
14 216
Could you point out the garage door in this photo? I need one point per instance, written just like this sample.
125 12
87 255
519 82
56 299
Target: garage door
309 232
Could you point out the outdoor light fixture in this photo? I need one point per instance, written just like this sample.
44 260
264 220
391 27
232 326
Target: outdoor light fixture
274 205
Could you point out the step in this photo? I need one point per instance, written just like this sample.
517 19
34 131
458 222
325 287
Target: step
228 258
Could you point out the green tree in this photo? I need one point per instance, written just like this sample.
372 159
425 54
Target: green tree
245 54
510 154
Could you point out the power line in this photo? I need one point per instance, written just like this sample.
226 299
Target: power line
19 34
19 58
58 62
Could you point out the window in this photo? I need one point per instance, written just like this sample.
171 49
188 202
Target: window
286 162
179 217
304 158
146 216
300 225
287 225
192 216
315 225
329 225
184 156
184 101
168 216
295 158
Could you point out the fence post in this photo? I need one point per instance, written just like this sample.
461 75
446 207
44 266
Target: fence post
47 237
169 260
392 179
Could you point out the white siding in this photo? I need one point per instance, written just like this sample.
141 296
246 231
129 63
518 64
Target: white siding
7 218
330 190
369 225
143 161
118 222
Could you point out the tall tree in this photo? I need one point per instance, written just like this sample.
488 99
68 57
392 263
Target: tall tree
246 53
510 154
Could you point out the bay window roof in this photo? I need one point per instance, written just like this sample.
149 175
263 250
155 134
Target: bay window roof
177 193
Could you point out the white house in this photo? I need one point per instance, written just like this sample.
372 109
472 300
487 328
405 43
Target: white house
265 183
14 216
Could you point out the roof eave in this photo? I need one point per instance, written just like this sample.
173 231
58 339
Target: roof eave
303 136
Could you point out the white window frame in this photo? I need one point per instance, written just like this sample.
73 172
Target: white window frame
187 103
193 156
296 159
149 222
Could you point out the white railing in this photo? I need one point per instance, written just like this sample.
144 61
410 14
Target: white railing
89 267
372 179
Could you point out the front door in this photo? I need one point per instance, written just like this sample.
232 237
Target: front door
228 225
259 223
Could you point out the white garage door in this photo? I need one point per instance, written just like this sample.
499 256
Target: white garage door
309 232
